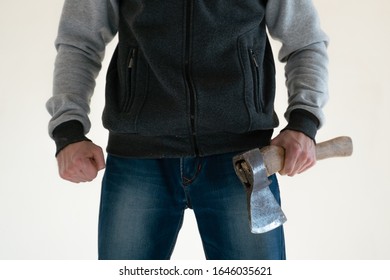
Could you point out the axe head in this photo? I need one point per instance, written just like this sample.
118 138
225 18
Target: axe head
264 211
253 169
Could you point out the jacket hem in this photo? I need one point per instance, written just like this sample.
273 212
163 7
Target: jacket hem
138 146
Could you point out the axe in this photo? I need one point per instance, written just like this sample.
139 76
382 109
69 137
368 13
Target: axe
254 167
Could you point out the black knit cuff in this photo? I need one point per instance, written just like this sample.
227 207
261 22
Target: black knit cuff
303 121
68 133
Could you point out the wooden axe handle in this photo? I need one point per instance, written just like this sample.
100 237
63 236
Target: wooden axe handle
337 147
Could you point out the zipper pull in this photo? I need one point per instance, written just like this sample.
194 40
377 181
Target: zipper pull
131 60
254 58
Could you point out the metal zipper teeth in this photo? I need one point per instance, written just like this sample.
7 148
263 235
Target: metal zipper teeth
189 9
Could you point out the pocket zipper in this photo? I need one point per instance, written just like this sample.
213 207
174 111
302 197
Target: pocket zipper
130 65
256 80
131 59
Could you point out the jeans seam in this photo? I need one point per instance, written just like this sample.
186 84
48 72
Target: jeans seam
188 181
179 225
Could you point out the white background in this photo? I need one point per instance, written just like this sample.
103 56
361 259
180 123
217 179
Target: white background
337 210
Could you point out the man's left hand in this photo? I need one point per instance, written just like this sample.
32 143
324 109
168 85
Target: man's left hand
300 152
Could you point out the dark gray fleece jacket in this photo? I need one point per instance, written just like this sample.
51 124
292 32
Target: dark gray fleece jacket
188 77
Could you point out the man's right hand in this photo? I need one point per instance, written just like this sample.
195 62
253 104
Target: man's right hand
80 162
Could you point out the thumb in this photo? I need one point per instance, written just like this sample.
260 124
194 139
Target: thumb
98 158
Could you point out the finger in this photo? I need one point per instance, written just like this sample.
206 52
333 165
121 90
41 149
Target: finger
310 162
292 161
73 176
73 170
98 159
307 158
288 167
89 170
296 165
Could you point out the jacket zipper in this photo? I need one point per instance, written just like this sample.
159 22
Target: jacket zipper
131 59
256 79
130 68
187 67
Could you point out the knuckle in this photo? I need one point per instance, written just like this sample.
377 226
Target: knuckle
63 176
66 175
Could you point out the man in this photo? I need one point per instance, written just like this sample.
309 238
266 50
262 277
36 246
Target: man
190 85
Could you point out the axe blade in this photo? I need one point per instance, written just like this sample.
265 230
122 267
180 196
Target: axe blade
264 211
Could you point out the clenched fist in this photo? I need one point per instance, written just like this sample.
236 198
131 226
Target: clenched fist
300 153
80 162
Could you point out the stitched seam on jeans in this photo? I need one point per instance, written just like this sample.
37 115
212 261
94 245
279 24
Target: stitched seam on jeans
187 181
180 224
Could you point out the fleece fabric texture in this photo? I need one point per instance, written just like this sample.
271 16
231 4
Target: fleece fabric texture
188 77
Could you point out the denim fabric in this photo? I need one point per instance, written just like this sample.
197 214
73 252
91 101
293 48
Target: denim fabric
143 203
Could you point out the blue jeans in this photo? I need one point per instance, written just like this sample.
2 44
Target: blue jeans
143 203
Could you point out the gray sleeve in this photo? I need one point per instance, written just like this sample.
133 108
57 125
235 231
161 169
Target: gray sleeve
85 28
295 23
